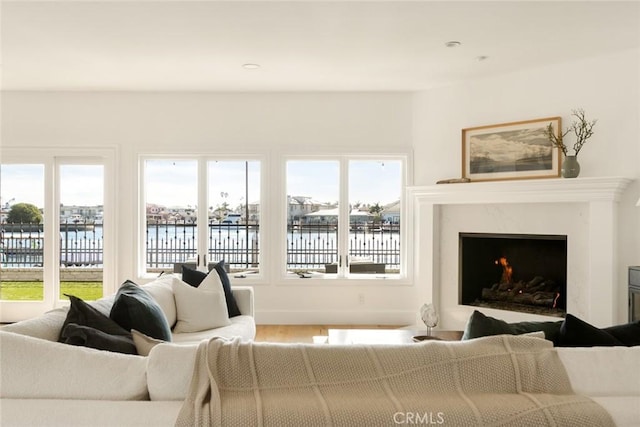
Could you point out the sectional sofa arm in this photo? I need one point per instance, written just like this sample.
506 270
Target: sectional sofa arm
244 298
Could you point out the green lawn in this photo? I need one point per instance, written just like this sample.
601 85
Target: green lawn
33 291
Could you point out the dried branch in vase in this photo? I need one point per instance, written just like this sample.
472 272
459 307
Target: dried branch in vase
581 128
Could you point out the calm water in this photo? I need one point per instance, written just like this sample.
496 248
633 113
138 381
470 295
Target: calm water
174 243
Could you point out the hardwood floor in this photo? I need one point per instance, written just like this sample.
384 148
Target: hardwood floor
304 333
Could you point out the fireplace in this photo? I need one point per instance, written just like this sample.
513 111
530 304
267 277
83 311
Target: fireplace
583 209
516 272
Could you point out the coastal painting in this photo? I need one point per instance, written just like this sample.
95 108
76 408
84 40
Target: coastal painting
517 150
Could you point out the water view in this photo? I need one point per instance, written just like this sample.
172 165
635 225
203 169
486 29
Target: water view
309 246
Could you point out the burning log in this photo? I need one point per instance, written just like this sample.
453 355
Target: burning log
540 298
540 284
537 291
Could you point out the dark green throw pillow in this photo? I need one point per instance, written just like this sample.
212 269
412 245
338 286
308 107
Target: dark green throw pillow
86 326
135 308
84 314
192 277
480 325
232 305
628 334
575 332
86 336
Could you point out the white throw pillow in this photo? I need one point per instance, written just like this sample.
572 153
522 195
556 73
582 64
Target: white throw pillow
144 343
162 292
212 283
200 308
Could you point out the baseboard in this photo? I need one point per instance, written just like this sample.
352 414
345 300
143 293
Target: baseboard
335 317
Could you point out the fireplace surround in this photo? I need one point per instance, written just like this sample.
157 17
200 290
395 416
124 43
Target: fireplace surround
583 209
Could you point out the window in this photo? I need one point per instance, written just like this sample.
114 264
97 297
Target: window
313 193
21 232
201 210
171 201
234 214
81 230
53 208
344 217
375 187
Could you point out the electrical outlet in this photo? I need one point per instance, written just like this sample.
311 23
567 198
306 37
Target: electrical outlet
361 298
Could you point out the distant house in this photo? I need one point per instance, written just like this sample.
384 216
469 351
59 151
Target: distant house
154 212
300 206
330 216
391 213
76 214
321 217
358 216
254 212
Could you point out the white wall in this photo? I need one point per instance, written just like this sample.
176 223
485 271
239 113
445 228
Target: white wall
607 87
224 123
428 122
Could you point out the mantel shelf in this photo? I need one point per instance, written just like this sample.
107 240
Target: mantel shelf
523 191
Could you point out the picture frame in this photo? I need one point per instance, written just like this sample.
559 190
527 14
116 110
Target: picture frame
508 151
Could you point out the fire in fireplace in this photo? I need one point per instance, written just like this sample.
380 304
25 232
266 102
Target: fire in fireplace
516 272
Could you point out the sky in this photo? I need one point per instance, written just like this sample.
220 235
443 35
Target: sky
79 184
174 183
370 182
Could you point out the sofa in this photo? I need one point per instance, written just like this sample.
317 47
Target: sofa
162 290
48 383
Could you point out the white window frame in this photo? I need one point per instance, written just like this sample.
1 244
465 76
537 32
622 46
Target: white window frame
405 275
52 159
202 160
273 213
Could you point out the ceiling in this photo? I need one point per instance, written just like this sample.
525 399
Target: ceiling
299 45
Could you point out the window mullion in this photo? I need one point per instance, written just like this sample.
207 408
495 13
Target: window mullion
343 218
202 212
51 250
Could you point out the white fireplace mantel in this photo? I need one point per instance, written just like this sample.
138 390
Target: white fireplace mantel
523 191
598 300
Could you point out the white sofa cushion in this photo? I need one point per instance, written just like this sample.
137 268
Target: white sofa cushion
242 326
201 308
87 413
39 369
46 327
169 371
603 371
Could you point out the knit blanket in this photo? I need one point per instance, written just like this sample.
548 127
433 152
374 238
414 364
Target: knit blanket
494 381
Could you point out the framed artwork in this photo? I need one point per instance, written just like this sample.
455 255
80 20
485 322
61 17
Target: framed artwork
517 150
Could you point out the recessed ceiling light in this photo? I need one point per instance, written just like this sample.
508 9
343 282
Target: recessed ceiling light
452 43
250 66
